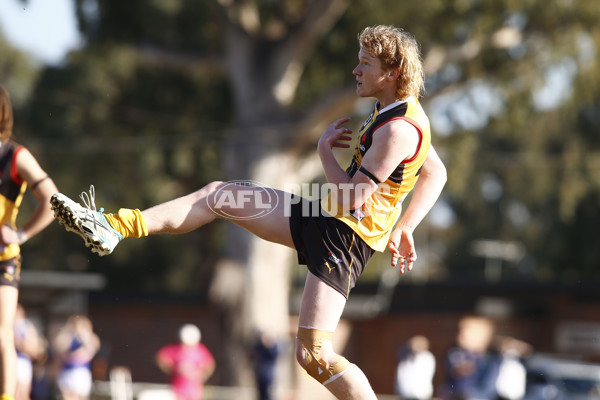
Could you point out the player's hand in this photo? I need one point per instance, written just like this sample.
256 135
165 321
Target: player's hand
337 135
402 249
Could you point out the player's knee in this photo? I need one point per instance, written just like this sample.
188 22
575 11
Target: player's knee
208 192
315 358
212 187
301 355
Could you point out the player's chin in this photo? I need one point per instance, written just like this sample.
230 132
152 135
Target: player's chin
360 90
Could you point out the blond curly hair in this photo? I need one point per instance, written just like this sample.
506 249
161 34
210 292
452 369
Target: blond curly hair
396 48
6 116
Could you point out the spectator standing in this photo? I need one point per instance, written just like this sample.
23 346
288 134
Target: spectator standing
511 381
29 348
76 344
416 367
189 363
470 369
265 354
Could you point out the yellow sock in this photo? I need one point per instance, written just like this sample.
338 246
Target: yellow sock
129 223
6 397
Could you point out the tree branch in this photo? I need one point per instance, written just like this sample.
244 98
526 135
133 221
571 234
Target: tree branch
290 59
178 59
323 113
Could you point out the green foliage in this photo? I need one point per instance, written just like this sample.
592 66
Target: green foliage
142 133
145 125
17 74
182 25
542 158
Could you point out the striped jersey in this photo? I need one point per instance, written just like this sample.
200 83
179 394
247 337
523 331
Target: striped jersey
374 221
12 189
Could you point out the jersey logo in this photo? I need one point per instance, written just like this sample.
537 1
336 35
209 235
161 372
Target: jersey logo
358 214
367 121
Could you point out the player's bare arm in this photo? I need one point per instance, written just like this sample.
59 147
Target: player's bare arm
427 190
42 188
392 143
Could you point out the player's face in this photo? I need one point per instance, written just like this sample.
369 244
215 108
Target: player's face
370 76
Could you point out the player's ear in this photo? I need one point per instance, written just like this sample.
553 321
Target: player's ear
393 74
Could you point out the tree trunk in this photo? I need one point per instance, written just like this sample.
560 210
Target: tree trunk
252 280
252 285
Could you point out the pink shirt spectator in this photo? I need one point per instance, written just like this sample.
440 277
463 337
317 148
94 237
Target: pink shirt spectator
189 365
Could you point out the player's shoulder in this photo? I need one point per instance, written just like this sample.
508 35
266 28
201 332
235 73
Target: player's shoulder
396 128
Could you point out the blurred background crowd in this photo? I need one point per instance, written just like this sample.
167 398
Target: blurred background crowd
479 364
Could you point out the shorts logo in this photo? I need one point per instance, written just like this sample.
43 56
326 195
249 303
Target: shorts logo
333 258
9 273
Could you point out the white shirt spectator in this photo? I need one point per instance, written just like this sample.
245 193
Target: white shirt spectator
414 374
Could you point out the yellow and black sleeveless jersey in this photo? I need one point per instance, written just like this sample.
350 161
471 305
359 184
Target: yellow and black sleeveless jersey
12 189
374 221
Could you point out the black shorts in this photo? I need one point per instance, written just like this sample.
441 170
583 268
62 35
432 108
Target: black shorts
10 272
330 249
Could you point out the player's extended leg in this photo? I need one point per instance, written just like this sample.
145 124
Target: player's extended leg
256 209
259 210
8 354
320 313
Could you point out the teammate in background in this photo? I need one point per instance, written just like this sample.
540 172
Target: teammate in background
19 170
189 364
362 214
76 344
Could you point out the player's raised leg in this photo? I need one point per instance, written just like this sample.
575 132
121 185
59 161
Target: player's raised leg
259 210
